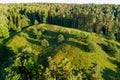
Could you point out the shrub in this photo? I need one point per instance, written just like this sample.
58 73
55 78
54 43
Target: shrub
60 38
27 50
43 29
18 29
4 32
36 22
88 39
44 43
23 34
59 70
90 47
110 36
39 34
35 31
23 64
112 48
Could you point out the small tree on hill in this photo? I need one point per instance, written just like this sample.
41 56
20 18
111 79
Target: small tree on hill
18 29
112 48
39 34
4 31
60 38
91 47
88 39
35 31
36 22
44 43
94 71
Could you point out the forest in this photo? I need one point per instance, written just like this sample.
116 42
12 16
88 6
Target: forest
56 41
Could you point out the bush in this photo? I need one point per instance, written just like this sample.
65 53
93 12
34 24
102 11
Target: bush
36 22
23 34
88 39
60 38
44 43
23 64
27 50
91 47
110 36
35 31
112 48
18 29
4 32
39 34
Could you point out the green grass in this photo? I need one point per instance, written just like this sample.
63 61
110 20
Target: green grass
73 48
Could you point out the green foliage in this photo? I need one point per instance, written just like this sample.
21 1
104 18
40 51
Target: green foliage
93 18
94 71
36 22
39 34
118 36
59 66
24 67
18 29
4 32
88 39
35 31
112 48
44 43
24 21
75 77
59 71
111 36
91 47
60 38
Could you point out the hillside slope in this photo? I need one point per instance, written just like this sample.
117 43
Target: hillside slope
74 48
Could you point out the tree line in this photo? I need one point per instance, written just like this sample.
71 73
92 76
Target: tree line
101 19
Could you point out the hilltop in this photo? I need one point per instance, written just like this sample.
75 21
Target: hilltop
81 49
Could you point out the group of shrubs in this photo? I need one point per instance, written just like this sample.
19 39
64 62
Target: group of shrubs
38 34
26 67
112 49
81 36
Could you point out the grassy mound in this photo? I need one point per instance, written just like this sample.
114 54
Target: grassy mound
74 47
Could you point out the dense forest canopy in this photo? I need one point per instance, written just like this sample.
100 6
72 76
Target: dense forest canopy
102 19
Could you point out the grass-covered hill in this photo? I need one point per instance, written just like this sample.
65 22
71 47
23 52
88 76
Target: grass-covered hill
61 50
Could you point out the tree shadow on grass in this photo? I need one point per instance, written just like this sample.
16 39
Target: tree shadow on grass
109 74
105 48
5 59
117 63
33 41
76 44
30 33
46 52
50 33
55 34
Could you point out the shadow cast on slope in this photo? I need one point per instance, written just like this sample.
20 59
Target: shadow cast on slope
105 48
109 74
5 59
33 41
117 63
83 47
12 34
